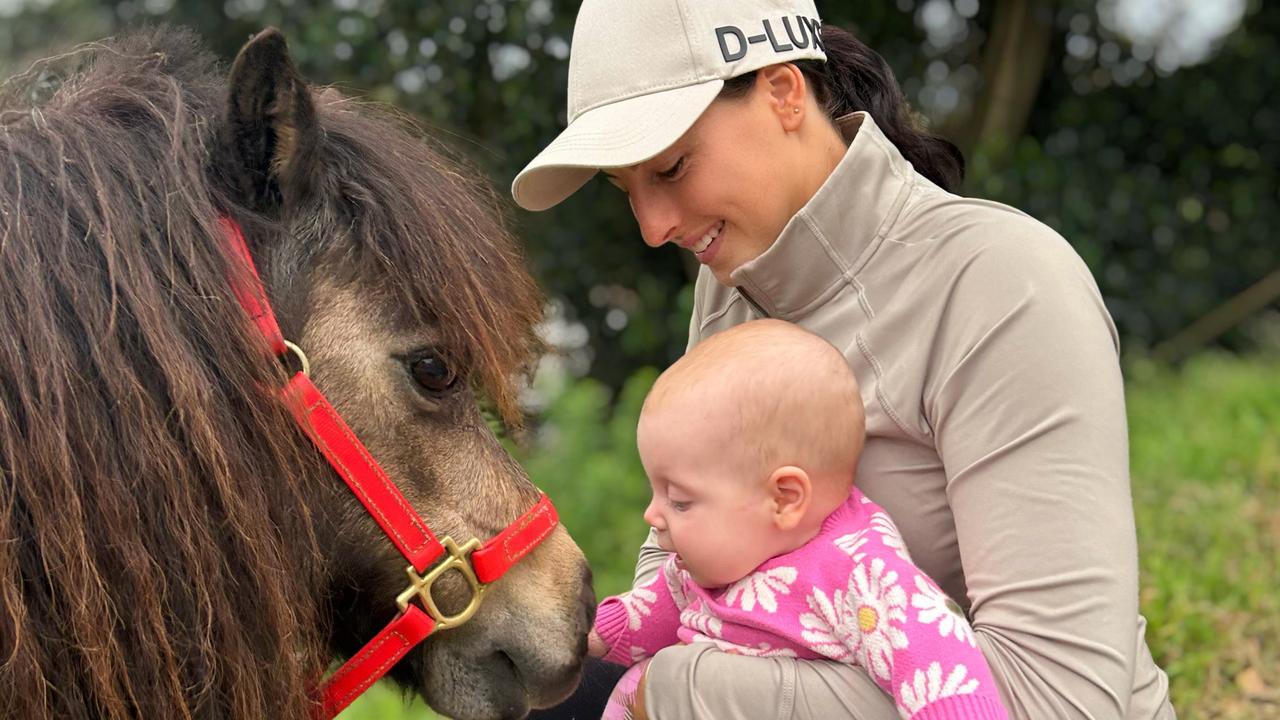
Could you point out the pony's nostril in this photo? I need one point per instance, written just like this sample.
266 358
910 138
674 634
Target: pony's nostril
502 659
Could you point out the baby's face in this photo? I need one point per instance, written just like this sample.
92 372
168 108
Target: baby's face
716 516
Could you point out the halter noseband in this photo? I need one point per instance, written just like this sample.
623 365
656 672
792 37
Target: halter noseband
480 564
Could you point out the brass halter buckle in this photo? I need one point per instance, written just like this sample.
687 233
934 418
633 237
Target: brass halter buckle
458 558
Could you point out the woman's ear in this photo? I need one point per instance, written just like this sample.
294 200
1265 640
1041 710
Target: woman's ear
272 132
784 86
791 492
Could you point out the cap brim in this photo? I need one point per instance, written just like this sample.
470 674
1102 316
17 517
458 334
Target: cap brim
619 134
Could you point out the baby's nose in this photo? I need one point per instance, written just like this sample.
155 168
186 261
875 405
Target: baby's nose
654 517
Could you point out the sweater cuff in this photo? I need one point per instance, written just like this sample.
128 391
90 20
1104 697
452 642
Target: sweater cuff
611 626
963 707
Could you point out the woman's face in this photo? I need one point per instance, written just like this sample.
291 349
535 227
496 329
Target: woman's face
726 188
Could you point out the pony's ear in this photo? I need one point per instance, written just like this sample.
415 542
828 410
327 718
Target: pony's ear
273 134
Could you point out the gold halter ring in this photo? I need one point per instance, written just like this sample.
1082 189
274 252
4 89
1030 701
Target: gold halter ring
302 357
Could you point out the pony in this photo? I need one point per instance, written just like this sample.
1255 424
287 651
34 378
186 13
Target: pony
171 543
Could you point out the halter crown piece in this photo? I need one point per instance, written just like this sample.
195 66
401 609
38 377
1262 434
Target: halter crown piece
479 564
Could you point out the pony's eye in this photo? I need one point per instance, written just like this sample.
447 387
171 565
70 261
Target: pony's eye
432 374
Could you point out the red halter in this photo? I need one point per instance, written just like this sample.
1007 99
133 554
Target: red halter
384 501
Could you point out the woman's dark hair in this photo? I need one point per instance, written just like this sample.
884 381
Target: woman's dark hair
854 78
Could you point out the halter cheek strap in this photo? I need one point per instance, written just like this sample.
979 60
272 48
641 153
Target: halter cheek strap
428 557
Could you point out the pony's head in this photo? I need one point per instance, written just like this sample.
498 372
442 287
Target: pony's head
170 542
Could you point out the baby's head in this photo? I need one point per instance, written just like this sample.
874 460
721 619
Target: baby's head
750 440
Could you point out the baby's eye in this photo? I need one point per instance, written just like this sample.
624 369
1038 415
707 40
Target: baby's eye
679 505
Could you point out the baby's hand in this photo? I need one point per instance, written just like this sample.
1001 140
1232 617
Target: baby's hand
595 645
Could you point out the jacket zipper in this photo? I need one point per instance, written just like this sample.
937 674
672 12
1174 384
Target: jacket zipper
752 302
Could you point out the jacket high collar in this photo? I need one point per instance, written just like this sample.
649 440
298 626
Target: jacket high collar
833 235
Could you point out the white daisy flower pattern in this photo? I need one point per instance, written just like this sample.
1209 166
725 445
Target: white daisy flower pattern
878 602
934 606
889 535
705 624
852 543
675 583
761 588
638 604
832 628
928 686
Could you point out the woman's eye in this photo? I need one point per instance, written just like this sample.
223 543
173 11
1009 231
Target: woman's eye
672 171
432 374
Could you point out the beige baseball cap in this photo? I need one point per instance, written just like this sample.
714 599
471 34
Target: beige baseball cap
641 72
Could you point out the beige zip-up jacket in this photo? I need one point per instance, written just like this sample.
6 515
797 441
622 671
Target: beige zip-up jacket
996 439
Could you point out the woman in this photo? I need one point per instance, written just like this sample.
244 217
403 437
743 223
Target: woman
784 158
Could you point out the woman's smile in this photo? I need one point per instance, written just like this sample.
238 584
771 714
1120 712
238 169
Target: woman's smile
705 247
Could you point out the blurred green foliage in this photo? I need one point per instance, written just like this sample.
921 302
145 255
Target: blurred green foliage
1164 179
585 458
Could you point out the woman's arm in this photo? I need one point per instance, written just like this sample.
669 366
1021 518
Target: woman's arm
699 681
1027 406
650 559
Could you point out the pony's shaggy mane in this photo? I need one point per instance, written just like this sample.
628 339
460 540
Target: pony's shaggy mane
158 556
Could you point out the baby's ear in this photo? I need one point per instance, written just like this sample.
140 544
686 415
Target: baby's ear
791 492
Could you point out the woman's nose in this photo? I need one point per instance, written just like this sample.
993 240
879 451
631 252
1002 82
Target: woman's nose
656 217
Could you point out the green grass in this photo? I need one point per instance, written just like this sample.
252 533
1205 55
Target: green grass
1205 451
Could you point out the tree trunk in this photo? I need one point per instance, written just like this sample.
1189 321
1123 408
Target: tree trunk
1013 66
1226 316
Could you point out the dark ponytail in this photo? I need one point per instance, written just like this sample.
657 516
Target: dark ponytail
855 78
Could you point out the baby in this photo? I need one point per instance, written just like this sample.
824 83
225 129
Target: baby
750 442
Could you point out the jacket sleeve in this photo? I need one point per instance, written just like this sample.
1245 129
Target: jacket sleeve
1026 403
639 623
650 560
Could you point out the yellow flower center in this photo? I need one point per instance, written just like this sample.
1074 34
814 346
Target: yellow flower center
867 618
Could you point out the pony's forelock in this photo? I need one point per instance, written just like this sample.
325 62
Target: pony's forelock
431 233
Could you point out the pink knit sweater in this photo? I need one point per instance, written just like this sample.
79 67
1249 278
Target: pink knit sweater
851 594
